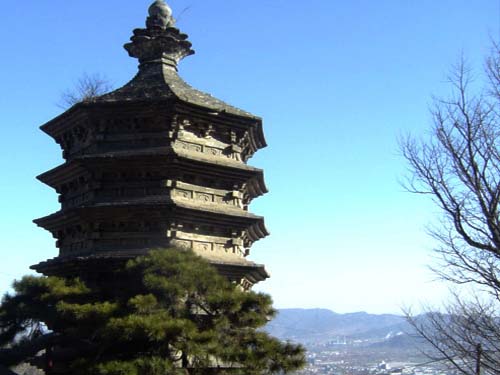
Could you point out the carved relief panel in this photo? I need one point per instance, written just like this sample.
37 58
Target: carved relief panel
203 195
209 140
207 246
78 137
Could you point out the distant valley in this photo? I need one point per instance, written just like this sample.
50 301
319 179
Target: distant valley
357 343
324 327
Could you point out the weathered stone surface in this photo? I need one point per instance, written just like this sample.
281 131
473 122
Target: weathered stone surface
160 15
155 163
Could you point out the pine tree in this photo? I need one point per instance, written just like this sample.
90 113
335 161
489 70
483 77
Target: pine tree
167 312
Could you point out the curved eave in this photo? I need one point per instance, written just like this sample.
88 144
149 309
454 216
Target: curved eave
252 271
52 222
197 212
61 174
257 186
59 123
227 212
190 160
72 265
72 168
254 224
186 93
156 81
92 107
218 111
61 266
224 163
168 151
83 110
159 83
258 139
258 231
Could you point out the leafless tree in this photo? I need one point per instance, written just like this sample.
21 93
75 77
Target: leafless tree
87 88
459 167
465 334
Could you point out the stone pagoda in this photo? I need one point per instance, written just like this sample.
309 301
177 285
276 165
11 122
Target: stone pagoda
155 164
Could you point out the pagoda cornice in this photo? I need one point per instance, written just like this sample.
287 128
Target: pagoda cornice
62 173
72 167
85 109
87 123
254 272
175 154
252 178
60 122
70 265
201 213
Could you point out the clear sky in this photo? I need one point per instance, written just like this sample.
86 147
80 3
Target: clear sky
335 81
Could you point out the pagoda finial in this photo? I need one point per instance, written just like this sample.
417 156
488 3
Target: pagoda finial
160 42
160 15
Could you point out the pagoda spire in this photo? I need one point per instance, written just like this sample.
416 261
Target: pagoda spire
160 42
160 15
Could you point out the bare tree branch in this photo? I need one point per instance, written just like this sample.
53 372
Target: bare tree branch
459 167
86 89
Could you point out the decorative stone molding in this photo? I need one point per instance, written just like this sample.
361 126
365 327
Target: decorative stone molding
155 163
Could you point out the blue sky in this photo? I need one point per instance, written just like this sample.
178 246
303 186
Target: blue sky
336 82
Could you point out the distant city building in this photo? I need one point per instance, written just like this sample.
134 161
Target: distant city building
383 366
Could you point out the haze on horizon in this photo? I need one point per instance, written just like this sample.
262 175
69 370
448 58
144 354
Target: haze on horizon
335 83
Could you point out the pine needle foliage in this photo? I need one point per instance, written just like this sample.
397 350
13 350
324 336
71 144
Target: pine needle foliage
167 312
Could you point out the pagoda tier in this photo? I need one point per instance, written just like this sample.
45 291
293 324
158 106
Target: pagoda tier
121 175
155 164
106 124
148 223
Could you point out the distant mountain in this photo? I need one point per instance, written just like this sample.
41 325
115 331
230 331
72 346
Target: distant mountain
401 341
322 325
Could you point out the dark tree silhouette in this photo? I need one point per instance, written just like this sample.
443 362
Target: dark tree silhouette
168 312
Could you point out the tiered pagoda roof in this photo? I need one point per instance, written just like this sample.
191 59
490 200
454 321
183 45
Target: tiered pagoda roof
155 163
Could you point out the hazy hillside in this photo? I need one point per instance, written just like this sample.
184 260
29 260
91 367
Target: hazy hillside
322 325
